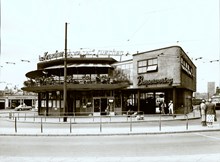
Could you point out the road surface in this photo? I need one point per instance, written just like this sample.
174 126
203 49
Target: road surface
164 147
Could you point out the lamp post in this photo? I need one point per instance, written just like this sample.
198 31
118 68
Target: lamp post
65 74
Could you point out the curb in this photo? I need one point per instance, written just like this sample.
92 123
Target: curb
112 134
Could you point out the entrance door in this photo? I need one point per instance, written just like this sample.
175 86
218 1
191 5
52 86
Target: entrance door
97 106
100 104
2 104
103 106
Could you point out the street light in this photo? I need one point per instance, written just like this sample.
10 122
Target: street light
26 61
10 63
198 58
214 61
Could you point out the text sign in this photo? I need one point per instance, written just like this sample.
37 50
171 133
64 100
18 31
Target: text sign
56 55
141 81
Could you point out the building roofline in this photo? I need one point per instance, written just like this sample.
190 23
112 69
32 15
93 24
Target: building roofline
139 53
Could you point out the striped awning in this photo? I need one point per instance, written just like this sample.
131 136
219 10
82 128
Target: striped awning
79 65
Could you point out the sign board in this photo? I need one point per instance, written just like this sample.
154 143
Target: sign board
93 52
141 81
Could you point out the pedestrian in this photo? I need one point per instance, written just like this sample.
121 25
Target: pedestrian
170 107
163 108
203 112
107 110
210 113
160 106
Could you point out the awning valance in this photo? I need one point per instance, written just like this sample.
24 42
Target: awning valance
79 65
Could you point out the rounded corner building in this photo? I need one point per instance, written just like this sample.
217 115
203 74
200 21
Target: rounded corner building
96 82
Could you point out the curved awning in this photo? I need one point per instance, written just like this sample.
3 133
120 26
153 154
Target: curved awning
71 69
35 74
80 65
76 87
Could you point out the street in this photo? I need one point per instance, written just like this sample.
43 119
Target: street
182 147
167 147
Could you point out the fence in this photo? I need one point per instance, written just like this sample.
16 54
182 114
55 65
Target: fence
118 123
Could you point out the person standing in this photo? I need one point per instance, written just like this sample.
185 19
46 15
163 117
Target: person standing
210 113
164 107
170 107
203 112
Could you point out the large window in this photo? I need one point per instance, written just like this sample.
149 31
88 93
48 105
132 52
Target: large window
126 69
148 65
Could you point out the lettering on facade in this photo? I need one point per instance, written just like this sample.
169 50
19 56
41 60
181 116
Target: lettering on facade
141 81
56 55
47 56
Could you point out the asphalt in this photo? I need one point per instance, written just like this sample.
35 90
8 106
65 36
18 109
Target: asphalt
104 126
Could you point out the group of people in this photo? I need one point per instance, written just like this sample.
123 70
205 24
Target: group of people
166 109
208 113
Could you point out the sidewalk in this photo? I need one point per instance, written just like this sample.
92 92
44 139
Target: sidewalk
104 126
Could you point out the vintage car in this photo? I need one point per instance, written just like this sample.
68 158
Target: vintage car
23 107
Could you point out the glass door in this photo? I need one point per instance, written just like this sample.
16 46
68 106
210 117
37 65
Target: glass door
97 106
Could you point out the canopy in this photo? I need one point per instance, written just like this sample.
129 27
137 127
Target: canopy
79 65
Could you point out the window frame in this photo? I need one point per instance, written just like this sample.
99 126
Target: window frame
147 65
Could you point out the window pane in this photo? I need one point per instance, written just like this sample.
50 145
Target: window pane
152 68
152 61
142 70
142 63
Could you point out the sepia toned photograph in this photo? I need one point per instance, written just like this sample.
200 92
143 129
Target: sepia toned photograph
109 80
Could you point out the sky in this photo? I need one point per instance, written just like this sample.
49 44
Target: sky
31 27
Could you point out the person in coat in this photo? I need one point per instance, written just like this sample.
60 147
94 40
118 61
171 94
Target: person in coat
210 113
203 112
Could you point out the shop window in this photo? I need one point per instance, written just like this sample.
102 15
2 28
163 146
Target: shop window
43 96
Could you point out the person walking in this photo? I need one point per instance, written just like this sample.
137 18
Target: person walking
210 113
203 112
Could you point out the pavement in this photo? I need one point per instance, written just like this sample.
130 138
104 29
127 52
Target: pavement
33 125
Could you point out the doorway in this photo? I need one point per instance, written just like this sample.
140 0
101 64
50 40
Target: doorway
100 105
103 106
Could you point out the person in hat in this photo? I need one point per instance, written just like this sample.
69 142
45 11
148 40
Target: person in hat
210 113
203 112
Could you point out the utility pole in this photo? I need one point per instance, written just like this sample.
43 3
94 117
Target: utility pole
65 74
219 41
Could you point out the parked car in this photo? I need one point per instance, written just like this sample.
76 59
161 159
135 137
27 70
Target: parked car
216 101
23 107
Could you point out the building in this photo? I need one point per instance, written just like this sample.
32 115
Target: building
10 99
211 89
97 82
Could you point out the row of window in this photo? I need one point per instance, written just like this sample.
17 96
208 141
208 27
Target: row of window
148 65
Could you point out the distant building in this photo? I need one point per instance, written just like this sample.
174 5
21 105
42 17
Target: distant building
211 89
11 99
